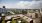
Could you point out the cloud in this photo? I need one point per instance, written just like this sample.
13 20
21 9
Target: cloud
24 5
36 5
29 5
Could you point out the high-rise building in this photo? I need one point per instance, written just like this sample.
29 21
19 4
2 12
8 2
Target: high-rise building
3 10
3 6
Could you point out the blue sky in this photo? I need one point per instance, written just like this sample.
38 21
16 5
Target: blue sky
13 1
20 3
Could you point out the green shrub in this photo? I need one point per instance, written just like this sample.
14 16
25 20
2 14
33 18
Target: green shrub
13 21
24 20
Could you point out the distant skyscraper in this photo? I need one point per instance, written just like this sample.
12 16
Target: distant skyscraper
3 6
3 10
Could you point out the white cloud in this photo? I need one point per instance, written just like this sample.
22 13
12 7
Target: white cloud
36 5
24 5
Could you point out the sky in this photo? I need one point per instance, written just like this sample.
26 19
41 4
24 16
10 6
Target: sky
21 4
